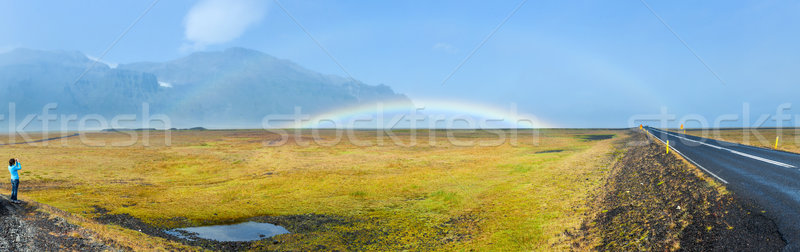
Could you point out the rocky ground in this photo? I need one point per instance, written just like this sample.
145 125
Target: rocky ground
23 228
655 201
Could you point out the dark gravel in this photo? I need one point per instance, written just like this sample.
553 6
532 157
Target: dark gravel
656 201
23 228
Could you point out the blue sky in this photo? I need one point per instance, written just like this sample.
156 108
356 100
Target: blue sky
574 63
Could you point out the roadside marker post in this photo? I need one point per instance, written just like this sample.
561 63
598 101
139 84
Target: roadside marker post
776 141
667 146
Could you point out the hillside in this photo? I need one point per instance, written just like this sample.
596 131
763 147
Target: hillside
235 88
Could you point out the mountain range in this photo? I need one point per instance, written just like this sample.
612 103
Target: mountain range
236 87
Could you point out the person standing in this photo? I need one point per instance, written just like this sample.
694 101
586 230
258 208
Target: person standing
14 165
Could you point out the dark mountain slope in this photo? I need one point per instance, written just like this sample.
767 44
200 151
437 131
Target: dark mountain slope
236 86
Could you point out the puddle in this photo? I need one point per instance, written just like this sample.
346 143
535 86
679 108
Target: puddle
595 137
549 151
247 231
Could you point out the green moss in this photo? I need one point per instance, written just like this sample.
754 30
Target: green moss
388 197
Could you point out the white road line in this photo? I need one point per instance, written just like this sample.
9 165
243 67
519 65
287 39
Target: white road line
732 151
693 162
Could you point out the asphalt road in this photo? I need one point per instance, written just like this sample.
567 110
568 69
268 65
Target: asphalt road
41 140
768 178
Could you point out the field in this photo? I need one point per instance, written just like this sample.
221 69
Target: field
789 138
448 191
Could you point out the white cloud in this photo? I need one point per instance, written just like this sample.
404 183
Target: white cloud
445 47
165 84
219 21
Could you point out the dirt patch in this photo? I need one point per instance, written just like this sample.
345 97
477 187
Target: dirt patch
595 137
657 201
464 226
549 151
24 228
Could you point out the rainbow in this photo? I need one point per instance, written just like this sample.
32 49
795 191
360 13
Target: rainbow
449 113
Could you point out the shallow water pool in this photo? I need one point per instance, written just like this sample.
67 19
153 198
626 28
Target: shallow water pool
246 231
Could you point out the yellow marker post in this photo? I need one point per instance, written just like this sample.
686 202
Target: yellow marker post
667 146
776 141
684 130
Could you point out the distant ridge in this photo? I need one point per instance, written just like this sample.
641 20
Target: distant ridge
232 88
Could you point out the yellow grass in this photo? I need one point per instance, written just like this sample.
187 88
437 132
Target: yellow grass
428 196
789 138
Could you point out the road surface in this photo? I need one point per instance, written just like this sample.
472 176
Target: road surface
768 178
41 140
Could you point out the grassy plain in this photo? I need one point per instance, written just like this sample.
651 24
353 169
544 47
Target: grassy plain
789 138
435 195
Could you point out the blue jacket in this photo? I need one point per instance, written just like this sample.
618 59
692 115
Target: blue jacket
13 170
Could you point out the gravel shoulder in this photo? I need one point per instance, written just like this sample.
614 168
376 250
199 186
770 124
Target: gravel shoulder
24 228
657 201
